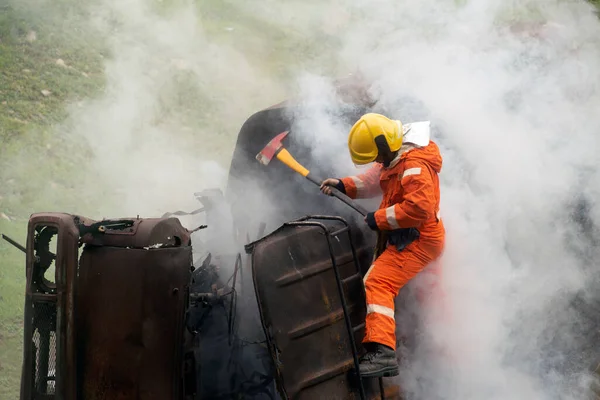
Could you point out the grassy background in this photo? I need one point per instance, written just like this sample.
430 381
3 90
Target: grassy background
38 168
29 48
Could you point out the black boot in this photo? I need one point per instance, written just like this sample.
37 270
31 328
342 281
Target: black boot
379 361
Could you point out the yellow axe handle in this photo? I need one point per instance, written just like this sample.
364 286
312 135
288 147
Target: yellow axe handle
285 157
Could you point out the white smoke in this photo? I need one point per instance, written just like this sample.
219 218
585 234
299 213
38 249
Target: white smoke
512 88
174 100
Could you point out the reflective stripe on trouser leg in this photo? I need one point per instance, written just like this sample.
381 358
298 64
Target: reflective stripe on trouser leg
388 274
380 324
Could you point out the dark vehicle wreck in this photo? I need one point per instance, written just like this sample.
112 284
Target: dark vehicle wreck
133 311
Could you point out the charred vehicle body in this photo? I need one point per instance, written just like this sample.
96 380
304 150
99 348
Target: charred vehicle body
127 308
258 308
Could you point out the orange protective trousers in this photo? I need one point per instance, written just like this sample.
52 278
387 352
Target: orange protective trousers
389 273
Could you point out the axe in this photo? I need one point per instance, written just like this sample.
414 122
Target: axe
275 149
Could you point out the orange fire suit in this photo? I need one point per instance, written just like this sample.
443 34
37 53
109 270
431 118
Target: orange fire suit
411 199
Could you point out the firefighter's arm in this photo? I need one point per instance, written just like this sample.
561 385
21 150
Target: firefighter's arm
362 186
418 203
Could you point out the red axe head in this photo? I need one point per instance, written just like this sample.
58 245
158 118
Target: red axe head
270 150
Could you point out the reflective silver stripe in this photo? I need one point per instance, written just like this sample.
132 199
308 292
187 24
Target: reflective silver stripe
438 215
360 185
390 215
412 171
383 310
368 272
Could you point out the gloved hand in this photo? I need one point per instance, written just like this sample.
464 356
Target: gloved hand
370 220
329 182
403 237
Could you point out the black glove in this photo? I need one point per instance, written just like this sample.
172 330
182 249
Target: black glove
370 219
340 186
403 237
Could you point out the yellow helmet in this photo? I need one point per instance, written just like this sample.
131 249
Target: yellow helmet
361 140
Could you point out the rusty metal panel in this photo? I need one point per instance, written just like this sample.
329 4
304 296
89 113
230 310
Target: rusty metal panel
131 293
49 365
131 307
302 313
136 233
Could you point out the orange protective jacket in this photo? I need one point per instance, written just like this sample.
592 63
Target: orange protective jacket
411 193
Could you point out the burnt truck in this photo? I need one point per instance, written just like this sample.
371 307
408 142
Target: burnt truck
145 308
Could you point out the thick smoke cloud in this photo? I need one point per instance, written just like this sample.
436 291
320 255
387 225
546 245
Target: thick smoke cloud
174 100
513 91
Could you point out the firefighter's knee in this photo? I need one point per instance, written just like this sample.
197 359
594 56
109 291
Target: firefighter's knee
375 282
380 277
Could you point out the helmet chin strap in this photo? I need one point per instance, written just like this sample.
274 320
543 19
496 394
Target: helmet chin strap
384 150
391 160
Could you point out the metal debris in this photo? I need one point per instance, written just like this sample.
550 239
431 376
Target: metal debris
154 246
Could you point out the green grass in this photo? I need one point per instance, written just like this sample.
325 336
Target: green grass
40 169
32 159
12 279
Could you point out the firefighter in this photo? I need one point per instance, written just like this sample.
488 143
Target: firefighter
407 164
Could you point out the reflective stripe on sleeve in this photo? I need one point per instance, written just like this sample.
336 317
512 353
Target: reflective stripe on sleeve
390 215
360 185
411 171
